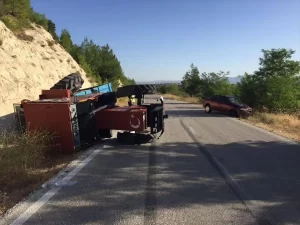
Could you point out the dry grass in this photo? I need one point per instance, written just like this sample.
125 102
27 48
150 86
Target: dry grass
24 37
282 124
26 161
182 98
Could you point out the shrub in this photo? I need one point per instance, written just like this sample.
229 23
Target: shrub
39 19
20 153
25 37
12 23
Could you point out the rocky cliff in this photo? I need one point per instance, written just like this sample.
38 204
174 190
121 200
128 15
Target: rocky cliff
30 62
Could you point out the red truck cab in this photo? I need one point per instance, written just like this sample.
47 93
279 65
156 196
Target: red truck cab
226 104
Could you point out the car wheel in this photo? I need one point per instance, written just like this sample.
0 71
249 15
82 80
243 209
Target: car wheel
233 113
207 109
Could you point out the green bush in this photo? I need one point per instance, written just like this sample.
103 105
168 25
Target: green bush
15 24
39 19
15 14
173 89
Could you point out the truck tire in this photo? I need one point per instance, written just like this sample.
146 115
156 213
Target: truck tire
136 90
146 88
126 138
207 108
151 89
72 82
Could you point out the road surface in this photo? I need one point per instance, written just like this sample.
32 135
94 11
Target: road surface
206 169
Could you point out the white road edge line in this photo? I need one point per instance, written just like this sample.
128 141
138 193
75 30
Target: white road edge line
48 195
243 195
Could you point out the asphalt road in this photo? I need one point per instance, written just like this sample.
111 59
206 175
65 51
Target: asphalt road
206 169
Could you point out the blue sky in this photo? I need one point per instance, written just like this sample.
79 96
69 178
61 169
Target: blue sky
159 39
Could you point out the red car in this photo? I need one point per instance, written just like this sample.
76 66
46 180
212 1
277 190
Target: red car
226 104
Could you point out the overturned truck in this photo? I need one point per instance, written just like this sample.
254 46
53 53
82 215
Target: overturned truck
79 117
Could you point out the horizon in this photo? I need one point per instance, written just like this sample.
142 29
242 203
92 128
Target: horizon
160 40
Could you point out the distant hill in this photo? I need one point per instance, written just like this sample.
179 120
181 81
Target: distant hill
232 80
159 82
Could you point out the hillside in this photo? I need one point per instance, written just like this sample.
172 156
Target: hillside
30 62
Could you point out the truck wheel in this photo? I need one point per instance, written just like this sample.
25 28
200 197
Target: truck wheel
72 82
146 89
207 109
105 133
136 90
126 138
150 89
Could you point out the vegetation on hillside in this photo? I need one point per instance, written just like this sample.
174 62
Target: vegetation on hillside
99 62
274 87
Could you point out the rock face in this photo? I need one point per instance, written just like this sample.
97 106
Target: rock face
29 63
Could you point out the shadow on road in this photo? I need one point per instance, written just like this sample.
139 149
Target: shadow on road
191 112
182 103
116 186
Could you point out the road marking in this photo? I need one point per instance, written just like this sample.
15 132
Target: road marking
261 218
48 195
150 209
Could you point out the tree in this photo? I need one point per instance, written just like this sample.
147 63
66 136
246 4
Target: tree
275 85
102 62
2 9
52 30
17 8
39 19
247 90
86 67
15 13
215 84
92 54
191 81
66 41
206 84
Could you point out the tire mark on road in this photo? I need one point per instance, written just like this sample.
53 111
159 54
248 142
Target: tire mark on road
242 196
150 201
